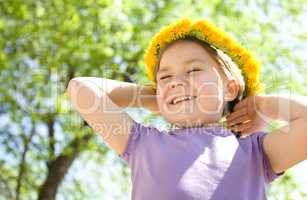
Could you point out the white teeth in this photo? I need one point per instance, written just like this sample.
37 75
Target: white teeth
178 99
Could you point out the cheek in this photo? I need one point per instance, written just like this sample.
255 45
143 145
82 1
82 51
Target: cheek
209 102
209 92
208 89
206 85
160 95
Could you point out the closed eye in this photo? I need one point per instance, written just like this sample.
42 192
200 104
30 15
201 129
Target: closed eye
194 70
164 77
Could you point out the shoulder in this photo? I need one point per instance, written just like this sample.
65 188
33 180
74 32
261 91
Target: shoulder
255 145
140 136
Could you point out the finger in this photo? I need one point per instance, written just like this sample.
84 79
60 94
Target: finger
240 104
238 120
236 114
242 127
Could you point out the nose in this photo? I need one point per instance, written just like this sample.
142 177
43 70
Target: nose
176 82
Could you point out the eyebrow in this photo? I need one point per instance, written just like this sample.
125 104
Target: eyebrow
186 62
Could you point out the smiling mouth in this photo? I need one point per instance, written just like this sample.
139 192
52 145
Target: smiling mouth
179 100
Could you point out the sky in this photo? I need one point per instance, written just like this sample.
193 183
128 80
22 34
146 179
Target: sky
97 178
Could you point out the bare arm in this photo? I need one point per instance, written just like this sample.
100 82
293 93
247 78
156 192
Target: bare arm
125 94
100 101
288 145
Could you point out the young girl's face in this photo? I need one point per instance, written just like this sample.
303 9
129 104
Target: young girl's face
187 70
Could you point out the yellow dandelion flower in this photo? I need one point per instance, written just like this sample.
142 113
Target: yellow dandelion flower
209 33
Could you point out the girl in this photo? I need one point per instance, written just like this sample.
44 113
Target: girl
200 78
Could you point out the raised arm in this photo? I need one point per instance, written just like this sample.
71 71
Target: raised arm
284 147
288 145
100 102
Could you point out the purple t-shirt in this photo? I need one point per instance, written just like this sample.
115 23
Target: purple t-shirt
196 163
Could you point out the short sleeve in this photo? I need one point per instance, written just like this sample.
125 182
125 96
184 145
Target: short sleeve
136 135
268 172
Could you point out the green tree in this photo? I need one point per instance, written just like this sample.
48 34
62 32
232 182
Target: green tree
43 44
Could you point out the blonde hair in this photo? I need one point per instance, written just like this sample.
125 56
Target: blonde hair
229 68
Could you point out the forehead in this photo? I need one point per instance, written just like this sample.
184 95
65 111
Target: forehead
186 62
183 53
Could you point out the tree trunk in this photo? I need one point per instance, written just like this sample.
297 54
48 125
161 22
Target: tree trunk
59 167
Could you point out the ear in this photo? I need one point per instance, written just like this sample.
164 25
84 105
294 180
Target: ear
231 90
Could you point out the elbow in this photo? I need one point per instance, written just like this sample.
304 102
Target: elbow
71 85
80 88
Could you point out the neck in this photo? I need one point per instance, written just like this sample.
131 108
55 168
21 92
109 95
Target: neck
220 122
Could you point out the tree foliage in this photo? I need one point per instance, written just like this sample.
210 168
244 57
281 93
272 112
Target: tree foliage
43 44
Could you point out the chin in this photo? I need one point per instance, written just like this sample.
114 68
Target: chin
185 120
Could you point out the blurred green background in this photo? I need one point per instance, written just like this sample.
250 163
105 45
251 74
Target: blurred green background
46 149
